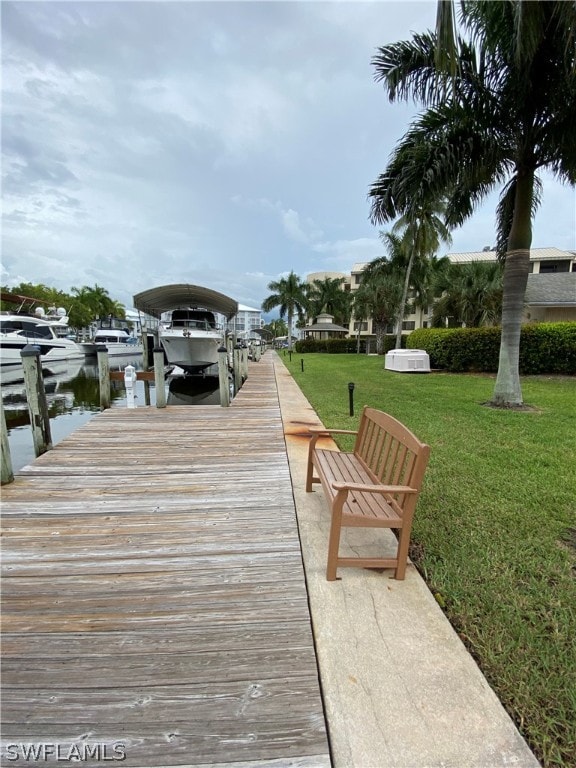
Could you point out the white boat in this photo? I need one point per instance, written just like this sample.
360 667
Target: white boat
116 340
192 324
48 332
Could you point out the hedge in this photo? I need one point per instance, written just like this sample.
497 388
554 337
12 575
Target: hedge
343 346
544 348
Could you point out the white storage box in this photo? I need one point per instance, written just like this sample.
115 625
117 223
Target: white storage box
407 361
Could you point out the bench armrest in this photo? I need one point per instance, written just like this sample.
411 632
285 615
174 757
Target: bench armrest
339 485
317 431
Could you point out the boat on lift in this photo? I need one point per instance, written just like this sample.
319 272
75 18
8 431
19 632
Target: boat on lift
192 324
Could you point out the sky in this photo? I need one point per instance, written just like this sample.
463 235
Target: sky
217 143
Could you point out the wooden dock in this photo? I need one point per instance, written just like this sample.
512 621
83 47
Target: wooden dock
153 597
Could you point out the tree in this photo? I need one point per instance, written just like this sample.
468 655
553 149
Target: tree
418 273
470 294
328 296
502 110
422 230
97 299
289 295
379 296
276 328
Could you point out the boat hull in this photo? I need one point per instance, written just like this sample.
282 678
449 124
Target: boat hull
193 351
51 351
114 348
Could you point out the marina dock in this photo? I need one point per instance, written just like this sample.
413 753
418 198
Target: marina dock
154 602
165 603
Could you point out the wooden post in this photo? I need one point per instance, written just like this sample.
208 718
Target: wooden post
244 363
144 340
223 377
36 396
7 472
104 377
237 369
159 377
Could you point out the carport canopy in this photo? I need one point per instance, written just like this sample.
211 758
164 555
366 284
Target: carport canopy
164 298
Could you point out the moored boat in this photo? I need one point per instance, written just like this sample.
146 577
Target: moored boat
50 333
192 324
118 341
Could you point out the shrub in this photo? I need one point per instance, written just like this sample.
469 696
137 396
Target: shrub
343 346
544 348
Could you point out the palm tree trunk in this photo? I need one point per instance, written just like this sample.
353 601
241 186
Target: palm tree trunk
379 332
507 389
402 307
290 318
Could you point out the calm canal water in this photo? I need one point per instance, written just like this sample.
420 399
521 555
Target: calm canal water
73 396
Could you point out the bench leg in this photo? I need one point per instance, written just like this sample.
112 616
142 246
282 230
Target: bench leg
402 554
334 540
310 468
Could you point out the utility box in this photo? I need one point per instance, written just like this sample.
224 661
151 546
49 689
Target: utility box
407 361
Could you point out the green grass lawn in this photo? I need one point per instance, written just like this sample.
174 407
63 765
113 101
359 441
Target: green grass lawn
495 528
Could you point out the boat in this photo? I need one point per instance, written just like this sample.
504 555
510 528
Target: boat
49 332
118 341
192 324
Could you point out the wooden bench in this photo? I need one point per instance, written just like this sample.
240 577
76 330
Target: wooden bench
375 486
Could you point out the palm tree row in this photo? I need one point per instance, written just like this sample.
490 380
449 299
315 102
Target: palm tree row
500 108
459 294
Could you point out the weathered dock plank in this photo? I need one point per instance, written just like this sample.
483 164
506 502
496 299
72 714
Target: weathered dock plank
153 595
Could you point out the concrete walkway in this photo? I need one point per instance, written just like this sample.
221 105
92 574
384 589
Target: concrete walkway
400 689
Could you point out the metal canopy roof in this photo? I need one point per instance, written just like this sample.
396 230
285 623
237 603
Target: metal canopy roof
166 297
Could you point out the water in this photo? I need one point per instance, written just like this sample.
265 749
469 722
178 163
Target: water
73 397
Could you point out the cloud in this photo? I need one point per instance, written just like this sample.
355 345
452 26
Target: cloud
223 144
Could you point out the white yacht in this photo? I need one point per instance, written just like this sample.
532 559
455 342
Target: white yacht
118 341
48 332
192 324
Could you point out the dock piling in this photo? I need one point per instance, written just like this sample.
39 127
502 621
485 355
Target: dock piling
104 377
237 368
7 471
223 377
159 377
36 397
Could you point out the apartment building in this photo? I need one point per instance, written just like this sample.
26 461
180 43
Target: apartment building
246 322
550 294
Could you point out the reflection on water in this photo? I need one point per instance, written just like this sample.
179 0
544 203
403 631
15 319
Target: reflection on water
73 397
193 390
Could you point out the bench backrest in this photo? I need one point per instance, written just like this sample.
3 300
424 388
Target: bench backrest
388 449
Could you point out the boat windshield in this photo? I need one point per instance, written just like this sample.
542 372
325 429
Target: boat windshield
28 328
198 319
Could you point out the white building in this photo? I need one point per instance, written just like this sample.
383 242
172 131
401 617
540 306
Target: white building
245 322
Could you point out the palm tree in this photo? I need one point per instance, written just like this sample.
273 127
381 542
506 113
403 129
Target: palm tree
471 294
391 266
361 307
328 296
289 295
425 281
379 296
505 112
422 230
97 299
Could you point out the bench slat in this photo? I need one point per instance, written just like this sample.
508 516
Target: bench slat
333 465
